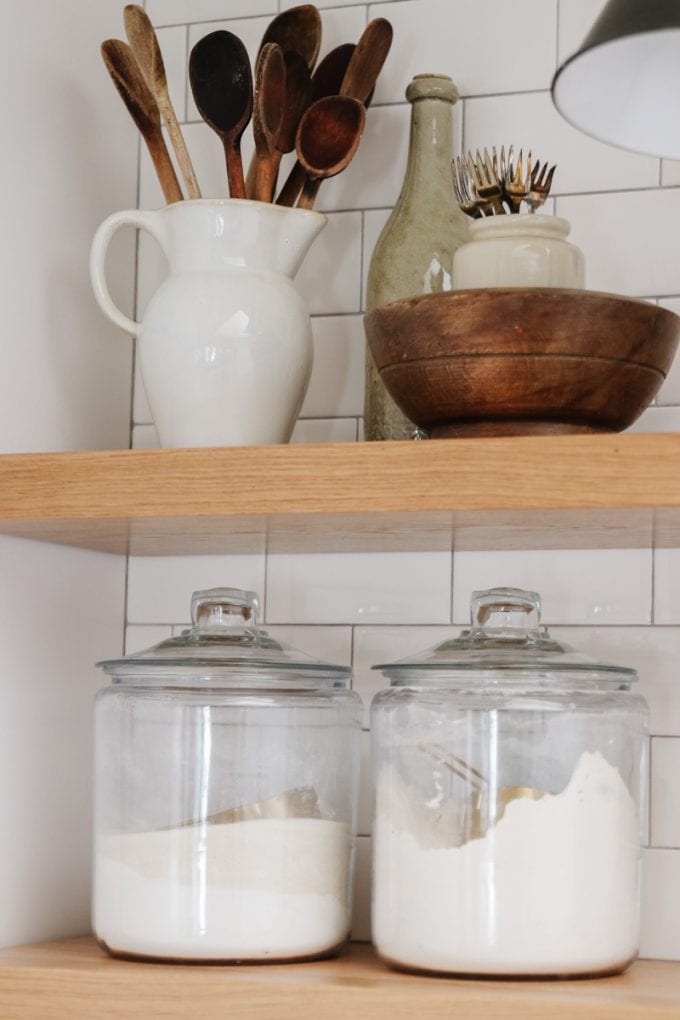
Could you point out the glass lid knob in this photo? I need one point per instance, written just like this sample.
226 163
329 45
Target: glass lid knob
221 608
505 609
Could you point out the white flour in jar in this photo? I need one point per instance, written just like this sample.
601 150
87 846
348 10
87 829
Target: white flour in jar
552 888
267 888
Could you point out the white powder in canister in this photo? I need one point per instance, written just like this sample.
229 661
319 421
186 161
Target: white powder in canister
552 888
253 890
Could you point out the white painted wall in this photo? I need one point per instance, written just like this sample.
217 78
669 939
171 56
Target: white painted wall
69 157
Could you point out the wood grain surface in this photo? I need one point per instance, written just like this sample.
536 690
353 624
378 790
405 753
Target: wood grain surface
520 361
74 979
528 492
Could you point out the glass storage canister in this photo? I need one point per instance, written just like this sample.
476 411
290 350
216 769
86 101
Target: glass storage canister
226 770
510 803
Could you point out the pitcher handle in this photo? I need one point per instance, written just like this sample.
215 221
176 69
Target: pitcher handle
102 238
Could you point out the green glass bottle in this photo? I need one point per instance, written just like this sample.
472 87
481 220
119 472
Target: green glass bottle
414 253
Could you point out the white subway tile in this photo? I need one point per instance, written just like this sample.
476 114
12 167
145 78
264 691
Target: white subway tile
438 37
531 122
325 430
670 172
657 419
660 905
630 239
361 915
336 387
667 586
139 638
330 276
654 652
141 412
160 587
145 437
373 645
330 644
665 802
576 586
364 587
168 12
670 391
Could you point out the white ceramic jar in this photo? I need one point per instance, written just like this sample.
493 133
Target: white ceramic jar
519 251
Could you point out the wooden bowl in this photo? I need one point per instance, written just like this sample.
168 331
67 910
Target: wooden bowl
515 361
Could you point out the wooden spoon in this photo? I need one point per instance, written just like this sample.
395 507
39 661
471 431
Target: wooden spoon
367 61
268 110
144 43
297 99
326 81
328 136
222 86
143 108
298 29
330 72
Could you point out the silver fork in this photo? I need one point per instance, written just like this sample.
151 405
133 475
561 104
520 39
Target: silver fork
463 189
539 188
516 182
486 183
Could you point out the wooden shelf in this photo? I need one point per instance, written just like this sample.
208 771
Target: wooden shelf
599 491
75 979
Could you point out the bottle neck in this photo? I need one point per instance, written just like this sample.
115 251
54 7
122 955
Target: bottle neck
430 148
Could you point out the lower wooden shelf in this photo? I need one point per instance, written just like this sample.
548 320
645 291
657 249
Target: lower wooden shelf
75 979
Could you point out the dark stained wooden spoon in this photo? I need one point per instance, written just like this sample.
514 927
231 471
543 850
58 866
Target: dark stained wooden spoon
222 86
330 72
298 29
327 138
121 64
146 48
326 81
268 114
367 61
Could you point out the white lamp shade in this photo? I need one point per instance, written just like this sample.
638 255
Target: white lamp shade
623 85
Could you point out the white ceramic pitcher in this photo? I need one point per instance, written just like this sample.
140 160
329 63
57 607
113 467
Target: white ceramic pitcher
225 345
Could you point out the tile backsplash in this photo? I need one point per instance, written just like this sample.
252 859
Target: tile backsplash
361 608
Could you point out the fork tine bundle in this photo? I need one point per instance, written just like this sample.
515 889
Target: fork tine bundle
487 181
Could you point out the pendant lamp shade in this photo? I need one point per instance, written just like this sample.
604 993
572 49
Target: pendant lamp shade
623 85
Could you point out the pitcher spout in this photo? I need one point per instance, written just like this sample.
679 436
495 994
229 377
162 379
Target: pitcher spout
208 234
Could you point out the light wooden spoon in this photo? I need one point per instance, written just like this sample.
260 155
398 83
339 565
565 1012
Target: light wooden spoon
367 60
143 108
145 46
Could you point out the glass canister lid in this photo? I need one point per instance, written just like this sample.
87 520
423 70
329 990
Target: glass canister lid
225 643
505 640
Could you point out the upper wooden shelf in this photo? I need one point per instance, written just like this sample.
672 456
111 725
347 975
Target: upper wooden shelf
621 490
75 979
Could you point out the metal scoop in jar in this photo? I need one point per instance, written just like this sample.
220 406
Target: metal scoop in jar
300 802
487 804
